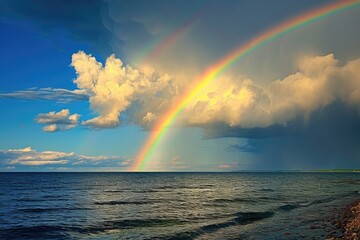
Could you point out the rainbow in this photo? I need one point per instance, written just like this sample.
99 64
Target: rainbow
220 66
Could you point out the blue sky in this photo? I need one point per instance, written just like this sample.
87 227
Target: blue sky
292 104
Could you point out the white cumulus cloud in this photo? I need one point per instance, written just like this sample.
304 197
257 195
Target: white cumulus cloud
57 121
113 88
320 81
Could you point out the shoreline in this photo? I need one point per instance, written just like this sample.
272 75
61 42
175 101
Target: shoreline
346 223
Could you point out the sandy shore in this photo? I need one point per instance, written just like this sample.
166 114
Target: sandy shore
347 223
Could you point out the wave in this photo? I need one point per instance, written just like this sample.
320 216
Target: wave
115 191
130 190
144 191
28 200
64 231
267 190
323 200
43 210
271 198
231 200
252 200
40 199
241 218
349 181
125 202
36 232
288 207
249 217
291 206
135 223
178 187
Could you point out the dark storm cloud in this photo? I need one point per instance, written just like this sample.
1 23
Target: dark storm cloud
330 138
221 130
127 27
81 20
109 26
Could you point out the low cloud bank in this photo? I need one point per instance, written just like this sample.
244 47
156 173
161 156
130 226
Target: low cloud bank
30 157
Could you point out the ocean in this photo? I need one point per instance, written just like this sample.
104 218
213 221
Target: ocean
172 205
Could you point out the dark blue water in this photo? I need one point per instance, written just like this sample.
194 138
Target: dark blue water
172 205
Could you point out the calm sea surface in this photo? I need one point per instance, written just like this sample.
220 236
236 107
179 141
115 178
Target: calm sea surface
172 205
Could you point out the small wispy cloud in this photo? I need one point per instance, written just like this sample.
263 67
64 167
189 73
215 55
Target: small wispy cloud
248 147
30 157
58 121
228 166
49 94
177 163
